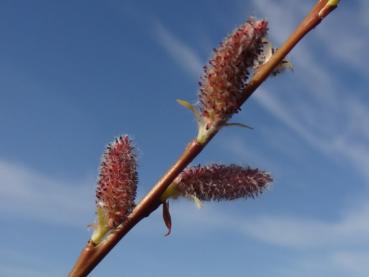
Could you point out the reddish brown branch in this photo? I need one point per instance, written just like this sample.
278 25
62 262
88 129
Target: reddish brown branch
92 254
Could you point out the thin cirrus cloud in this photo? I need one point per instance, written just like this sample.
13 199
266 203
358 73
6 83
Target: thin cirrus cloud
301 233
326 263
355 262
353 48
282 20
184 55
40 198
350 145
292 232
309 238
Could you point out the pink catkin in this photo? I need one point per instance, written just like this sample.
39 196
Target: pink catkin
221 182
117 183
225 76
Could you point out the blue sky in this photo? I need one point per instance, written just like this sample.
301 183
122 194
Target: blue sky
75 74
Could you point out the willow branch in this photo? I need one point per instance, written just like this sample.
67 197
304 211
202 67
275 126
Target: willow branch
92 254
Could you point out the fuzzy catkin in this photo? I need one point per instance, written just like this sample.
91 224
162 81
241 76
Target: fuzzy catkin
117 183
222 182
224 78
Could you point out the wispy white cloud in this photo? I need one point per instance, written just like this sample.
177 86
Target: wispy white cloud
280 110
353 144
354 262
352 46
27 194
296 232
282 20
350 140
320 246
326 263
289 231
184 55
